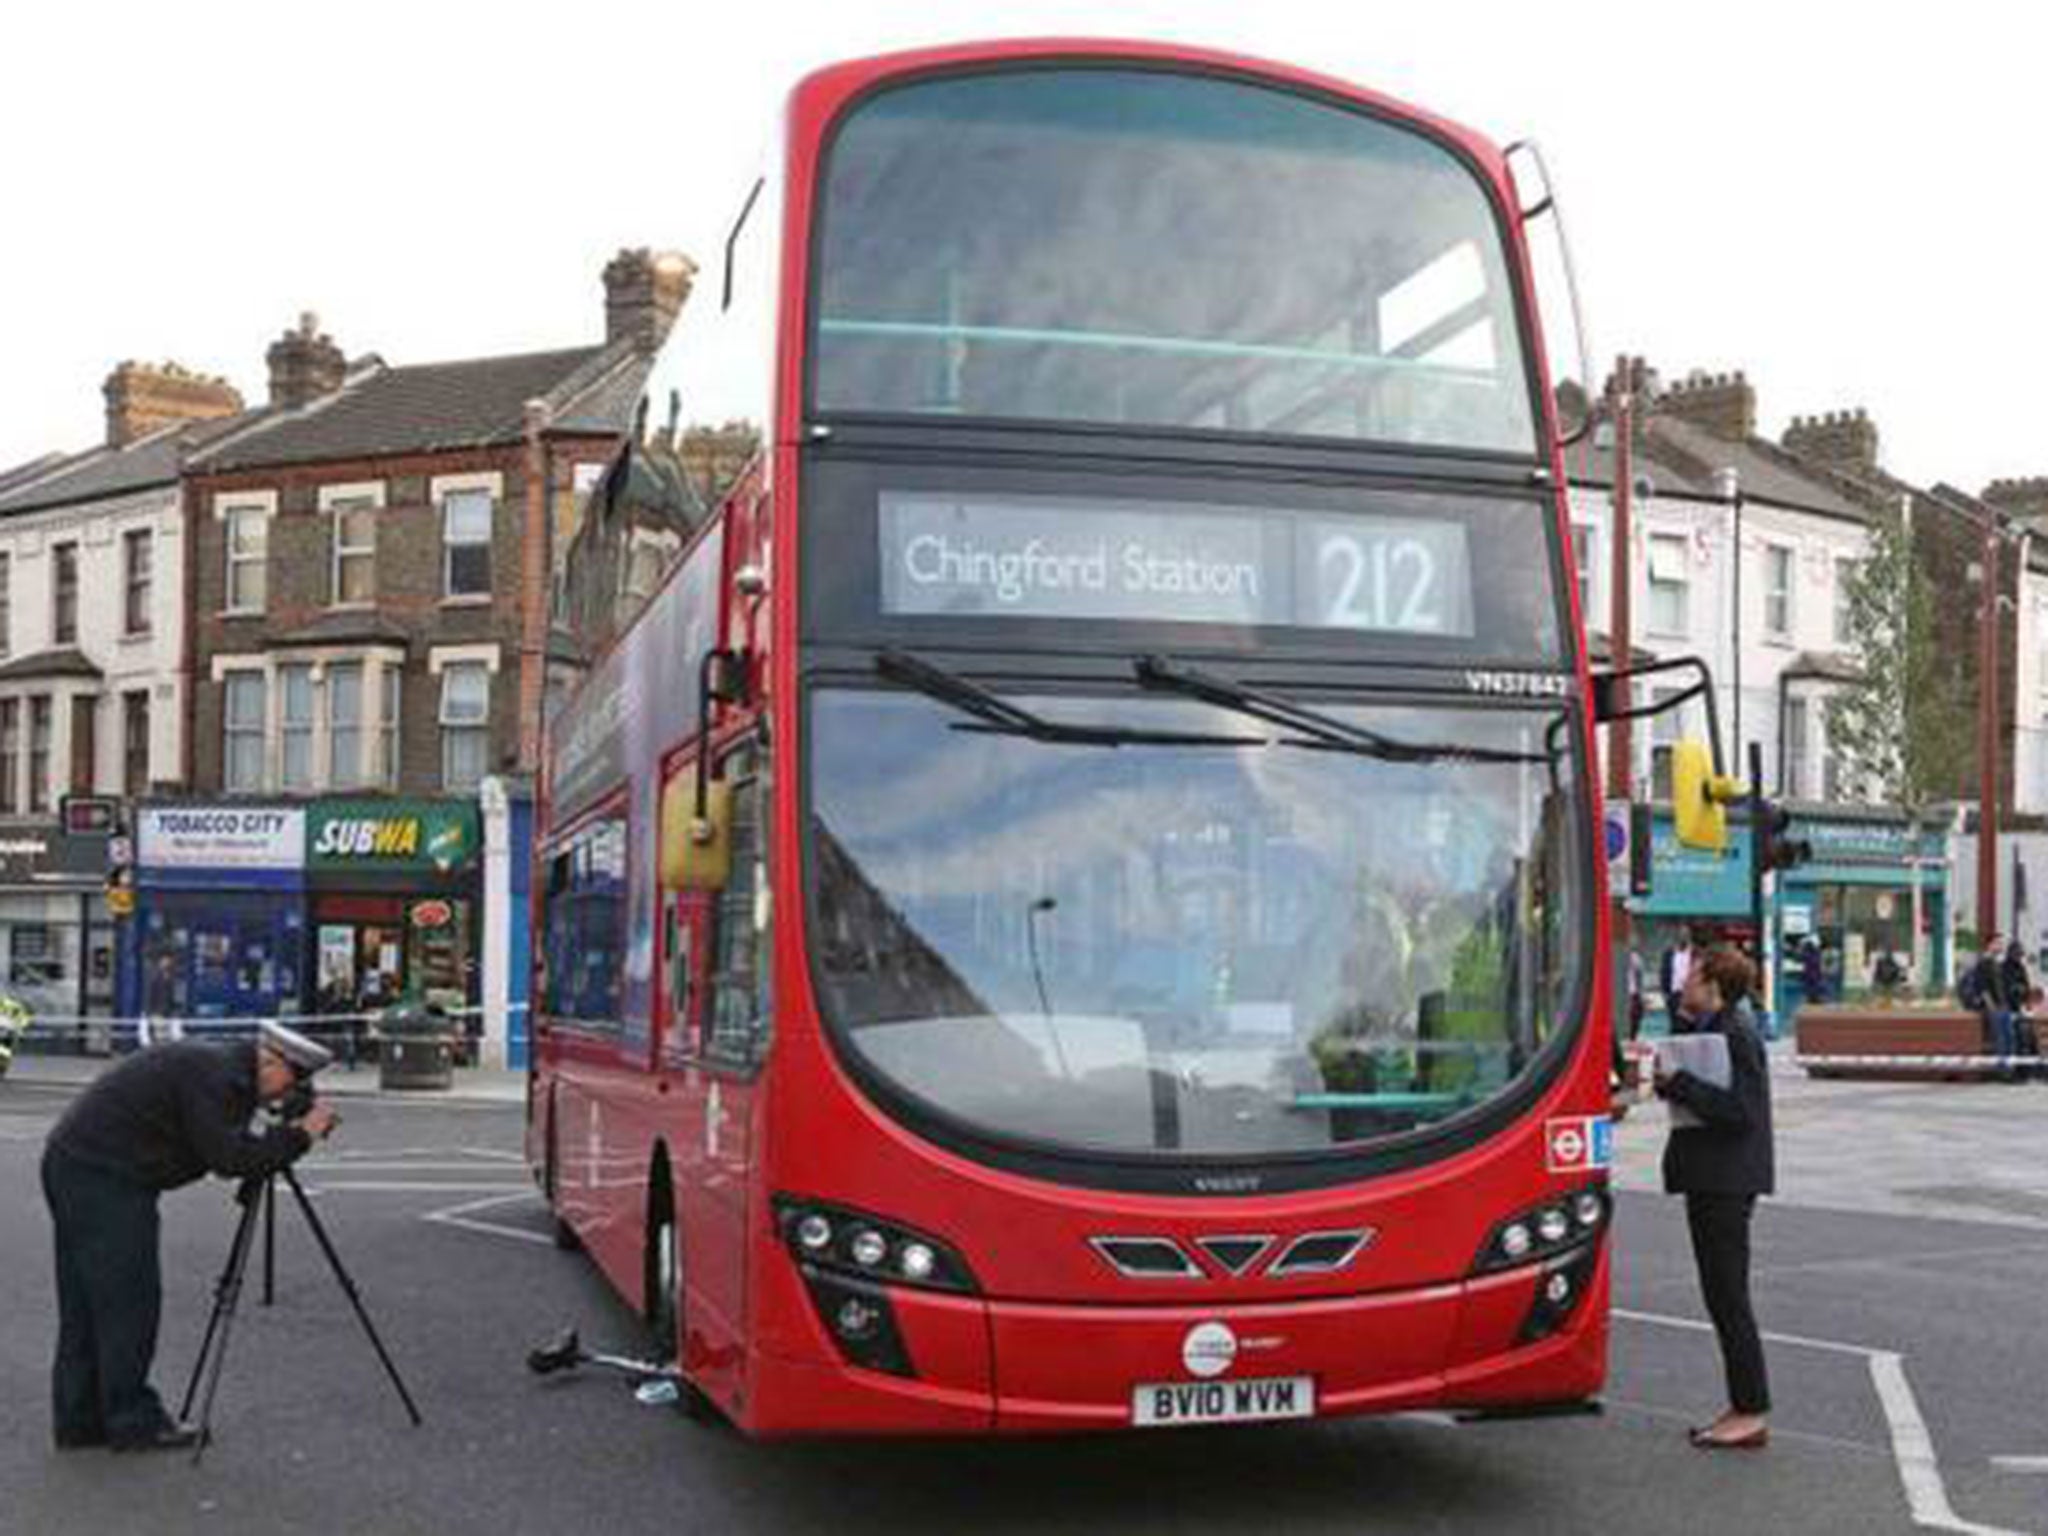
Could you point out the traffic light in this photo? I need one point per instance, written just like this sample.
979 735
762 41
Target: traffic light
1776 849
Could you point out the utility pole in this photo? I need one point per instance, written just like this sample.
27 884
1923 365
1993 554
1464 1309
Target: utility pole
1621 645
1987 740
1728 485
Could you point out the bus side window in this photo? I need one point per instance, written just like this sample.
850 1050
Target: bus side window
736 1015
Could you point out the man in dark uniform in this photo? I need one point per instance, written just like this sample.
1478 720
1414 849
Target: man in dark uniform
166 1116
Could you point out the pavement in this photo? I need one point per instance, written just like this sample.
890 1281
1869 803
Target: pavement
1901 1321
501 1085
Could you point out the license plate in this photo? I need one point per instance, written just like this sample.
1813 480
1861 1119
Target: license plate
1161 1404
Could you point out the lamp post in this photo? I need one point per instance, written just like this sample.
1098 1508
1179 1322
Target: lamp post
1621 645
1728 486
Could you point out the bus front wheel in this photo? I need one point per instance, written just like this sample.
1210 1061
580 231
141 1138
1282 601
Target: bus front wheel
662 1303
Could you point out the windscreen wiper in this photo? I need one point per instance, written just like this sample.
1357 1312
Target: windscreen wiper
1321 730
997 714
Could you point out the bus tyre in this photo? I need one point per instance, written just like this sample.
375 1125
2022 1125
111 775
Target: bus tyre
664 1294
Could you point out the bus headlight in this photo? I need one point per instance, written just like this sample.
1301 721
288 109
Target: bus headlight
854 1243
1544 1231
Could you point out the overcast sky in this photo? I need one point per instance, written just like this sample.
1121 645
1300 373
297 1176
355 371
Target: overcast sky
1847 204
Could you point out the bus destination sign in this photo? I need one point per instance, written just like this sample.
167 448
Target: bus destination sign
978 557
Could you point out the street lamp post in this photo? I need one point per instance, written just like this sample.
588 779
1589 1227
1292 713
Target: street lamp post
1728 486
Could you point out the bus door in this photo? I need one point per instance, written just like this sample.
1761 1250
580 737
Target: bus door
719 965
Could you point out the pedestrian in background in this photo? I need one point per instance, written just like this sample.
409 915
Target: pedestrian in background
1982 991
1721 1166
1813 972
1672 970
2019 998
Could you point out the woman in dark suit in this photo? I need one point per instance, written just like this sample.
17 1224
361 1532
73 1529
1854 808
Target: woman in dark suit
1721 1166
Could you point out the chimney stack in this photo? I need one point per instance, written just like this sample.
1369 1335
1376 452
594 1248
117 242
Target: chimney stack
644 291
2025 501
141 398
1836 440
304 364
1721 403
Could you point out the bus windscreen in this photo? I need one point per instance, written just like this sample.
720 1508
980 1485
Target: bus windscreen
1159 250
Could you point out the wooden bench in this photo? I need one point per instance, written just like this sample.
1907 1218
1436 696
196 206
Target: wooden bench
1878 1042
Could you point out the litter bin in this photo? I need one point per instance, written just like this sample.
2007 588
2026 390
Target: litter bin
416 1050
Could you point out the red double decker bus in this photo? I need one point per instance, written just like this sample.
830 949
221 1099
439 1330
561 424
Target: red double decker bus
1074 904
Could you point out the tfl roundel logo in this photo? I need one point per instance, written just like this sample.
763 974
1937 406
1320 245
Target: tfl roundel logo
1578 1144
1209 1349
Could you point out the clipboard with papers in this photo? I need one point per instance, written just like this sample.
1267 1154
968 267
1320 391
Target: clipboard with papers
1705 1056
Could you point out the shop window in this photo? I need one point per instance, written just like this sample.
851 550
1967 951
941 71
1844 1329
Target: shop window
345 724
737 1022
33 959
584 925
295 724
466 540
135 743
138 578
242 710
465 724
39 716
64 594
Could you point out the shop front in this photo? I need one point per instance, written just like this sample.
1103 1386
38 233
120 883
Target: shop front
1693 891
219 928
56 936
1856 901
394 891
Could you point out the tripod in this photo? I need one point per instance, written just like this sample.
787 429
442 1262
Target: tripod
258 1193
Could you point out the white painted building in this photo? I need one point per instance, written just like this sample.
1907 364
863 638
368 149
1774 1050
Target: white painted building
92 636
1773 629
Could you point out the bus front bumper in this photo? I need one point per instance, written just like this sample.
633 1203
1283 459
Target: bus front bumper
1018 1367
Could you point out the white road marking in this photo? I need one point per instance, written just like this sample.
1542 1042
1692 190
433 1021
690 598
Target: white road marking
350 1170
1912 1446
463 1216
2030 1464
401 1186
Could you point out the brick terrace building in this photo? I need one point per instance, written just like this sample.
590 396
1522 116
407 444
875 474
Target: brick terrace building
356 586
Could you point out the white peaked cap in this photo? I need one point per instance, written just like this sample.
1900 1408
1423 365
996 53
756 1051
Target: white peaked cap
304 1055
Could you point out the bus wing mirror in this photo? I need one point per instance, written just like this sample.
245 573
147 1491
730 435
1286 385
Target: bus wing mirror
696 850
1699 797
1555 291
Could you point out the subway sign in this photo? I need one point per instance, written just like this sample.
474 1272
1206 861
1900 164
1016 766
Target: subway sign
388 834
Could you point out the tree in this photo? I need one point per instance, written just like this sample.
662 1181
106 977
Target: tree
1904 733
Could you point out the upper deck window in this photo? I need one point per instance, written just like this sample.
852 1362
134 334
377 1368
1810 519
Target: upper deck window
1153 250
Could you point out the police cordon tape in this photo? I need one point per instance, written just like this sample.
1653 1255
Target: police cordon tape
1930 1063
150 1027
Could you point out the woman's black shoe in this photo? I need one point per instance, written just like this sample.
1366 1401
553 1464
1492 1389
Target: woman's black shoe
167 1436
80 1439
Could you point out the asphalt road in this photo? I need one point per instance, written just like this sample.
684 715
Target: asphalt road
431 1210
